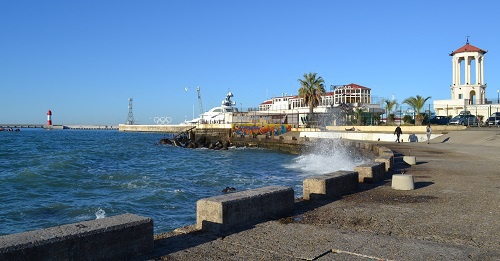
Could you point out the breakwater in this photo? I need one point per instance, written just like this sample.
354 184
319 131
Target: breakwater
288 144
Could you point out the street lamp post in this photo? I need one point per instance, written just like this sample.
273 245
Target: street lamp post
396 115
429 116
498 96
414 117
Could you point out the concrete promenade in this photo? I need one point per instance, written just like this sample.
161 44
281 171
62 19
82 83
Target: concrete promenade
453 214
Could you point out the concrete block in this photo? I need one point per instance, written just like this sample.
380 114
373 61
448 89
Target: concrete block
388 160
384 151
368 146
222 213
370 172
411 160
402 182
114 238
333 184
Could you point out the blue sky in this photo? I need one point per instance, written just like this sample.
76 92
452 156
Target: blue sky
84 59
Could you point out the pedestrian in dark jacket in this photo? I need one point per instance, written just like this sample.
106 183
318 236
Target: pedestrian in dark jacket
398 133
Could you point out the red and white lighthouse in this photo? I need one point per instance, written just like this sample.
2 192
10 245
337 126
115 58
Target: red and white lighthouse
49 118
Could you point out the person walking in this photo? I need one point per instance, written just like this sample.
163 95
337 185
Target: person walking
398 133
428 130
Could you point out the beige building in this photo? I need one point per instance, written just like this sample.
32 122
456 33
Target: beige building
295 110
468 85
352 94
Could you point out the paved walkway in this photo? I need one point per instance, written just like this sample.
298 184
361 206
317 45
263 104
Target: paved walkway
453 214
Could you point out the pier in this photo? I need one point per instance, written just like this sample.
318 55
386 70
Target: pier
174 129
90 127
18 126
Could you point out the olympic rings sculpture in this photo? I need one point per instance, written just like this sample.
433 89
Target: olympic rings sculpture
162 120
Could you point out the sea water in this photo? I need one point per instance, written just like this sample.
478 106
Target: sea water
56 177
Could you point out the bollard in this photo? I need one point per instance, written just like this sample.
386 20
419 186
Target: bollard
411 160
402 182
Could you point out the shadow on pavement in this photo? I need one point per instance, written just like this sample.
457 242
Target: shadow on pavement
419 185
445 140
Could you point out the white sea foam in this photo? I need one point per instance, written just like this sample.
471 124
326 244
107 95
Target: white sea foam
100 213
131 185
326 157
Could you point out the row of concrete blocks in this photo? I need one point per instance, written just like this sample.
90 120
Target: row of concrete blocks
226 212
128 235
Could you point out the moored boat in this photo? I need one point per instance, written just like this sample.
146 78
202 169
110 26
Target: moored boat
217 115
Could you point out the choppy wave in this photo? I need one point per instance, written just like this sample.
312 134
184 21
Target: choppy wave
326 157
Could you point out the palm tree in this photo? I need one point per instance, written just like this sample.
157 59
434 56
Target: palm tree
358 113
311 90
389 104
417 103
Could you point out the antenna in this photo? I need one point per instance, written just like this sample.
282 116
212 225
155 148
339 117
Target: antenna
130 120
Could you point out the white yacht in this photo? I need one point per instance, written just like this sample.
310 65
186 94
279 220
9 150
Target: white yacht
217 115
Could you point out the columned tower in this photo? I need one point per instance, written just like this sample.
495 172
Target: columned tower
466 84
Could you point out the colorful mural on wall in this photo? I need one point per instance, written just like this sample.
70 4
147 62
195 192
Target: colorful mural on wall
252 129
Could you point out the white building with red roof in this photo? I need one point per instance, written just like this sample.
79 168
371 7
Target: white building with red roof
468 85
353 94
293 107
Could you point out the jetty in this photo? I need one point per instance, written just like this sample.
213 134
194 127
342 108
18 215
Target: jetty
90 127
19 126
172 129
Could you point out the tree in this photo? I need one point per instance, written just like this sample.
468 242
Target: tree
376 118
407 119
311 90
389 104
417 103
358 113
